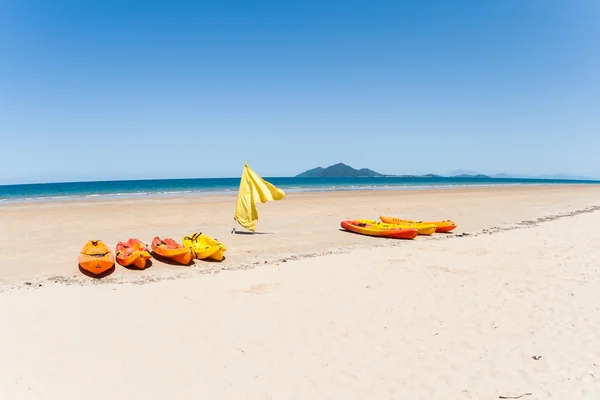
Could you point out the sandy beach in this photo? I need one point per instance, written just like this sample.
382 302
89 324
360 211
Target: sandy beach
507 305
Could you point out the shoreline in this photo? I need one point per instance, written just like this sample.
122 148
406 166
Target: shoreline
294 190
303 225
210 195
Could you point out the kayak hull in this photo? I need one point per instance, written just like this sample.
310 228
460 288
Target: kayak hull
132 253
423 228
95 257
172 250
440 226
374 230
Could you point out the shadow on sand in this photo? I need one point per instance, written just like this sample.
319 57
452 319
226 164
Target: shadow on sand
134 268
167 260
97 276
375 237
250 233
383 237
210 260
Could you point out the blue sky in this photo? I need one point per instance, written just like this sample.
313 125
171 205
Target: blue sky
158 89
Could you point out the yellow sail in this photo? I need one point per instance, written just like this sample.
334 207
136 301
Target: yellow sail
253 188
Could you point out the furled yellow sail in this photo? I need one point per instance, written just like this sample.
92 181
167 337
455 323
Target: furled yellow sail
253 188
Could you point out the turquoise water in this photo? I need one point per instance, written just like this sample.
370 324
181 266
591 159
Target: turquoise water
194 187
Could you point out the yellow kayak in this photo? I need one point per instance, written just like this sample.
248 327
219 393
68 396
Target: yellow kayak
204 246
440 226
378 231
423 228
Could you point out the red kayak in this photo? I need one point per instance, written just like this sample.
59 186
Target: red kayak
132 252
169 248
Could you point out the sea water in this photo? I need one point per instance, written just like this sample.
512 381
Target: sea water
195 187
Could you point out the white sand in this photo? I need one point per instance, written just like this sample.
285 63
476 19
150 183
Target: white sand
434 318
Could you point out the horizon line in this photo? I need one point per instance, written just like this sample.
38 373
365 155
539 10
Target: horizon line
493 176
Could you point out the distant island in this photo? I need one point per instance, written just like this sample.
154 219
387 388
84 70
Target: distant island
341 170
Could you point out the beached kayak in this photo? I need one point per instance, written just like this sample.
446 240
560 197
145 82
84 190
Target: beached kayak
375 230
171 249
132 252
95 257
440 226
204 246
423 228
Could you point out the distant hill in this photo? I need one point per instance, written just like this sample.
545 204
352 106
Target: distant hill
462 172
473 174
339 170
311 173
478 176
502 176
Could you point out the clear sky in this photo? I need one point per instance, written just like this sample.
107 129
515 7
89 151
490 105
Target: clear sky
117 89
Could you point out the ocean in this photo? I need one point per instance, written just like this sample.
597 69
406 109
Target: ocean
196 187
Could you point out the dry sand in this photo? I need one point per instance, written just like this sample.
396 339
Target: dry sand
507 305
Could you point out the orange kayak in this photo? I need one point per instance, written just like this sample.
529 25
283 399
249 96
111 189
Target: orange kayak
379 231
171 249
95 257
132 252
440 226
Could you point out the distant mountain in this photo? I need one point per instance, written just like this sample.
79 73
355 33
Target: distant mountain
311 173
339 170
462 172
478 176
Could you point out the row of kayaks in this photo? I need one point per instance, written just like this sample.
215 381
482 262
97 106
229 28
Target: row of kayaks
397 228
96 258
